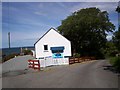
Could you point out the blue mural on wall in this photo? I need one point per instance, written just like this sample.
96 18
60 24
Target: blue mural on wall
57 52
57 55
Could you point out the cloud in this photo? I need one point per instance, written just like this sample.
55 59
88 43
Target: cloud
60 0
8 6
61 4
115 22
40 13
51 11
90 0
32 22
29 21
110 7
109 37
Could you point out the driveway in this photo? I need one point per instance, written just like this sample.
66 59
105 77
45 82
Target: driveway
80 75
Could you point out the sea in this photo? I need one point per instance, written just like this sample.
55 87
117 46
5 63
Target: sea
13 50
8 51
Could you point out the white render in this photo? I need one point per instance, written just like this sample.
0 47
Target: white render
53 61
53 39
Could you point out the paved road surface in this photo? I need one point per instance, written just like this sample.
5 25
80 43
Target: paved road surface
18 63
85 75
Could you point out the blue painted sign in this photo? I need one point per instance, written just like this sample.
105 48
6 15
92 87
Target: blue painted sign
57 55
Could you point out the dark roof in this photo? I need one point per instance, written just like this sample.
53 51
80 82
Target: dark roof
46 33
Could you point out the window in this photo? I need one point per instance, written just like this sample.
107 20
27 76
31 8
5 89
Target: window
45 47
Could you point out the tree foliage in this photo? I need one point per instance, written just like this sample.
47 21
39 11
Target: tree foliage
116 39
110 49
27 52
87 30
118 9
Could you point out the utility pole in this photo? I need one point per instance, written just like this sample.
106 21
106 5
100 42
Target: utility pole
9 39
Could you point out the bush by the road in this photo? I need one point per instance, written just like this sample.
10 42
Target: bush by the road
115 61
27 52
76 55
5 58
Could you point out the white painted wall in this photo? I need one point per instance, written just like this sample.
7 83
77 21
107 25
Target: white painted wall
53 61
52 39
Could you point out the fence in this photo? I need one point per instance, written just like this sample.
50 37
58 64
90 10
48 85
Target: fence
35 64
80 59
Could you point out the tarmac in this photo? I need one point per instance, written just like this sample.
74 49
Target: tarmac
18 63
90 74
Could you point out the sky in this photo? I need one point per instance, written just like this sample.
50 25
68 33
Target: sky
28 21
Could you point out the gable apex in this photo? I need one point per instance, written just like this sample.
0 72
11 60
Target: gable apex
47 32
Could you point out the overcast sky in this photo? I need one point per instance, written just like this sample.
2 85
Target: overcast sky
27 22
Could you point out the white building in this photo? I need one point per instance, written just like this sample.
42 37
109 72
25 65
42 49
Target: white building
53 49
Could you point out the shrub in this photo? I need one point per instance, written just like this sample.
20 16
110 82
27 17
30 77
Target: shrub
5 58
27 52
115 61
76 55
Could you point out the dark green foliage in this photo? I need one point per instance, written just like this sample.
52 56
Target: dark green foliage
76 55
86 29
116 39
115 61
8 57
118 9
27 52
110 49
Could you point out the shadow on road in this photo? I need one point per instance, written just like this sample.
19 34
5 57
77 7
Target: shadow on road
14 73
18 72
110 68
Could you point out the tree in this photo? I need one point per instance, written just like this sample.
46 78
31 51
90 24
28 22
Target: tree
110 49
27 52
118 9
87 30
116 37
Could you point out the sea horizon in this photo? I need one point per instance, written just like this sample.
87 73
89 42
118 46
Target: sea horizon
17 47
13 50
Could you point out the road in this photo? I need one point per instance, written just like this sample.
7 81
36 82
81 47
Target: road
17 63
79 75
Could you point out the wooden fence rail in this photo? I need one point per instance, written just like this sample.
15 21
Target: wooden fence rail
73 60
35 64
